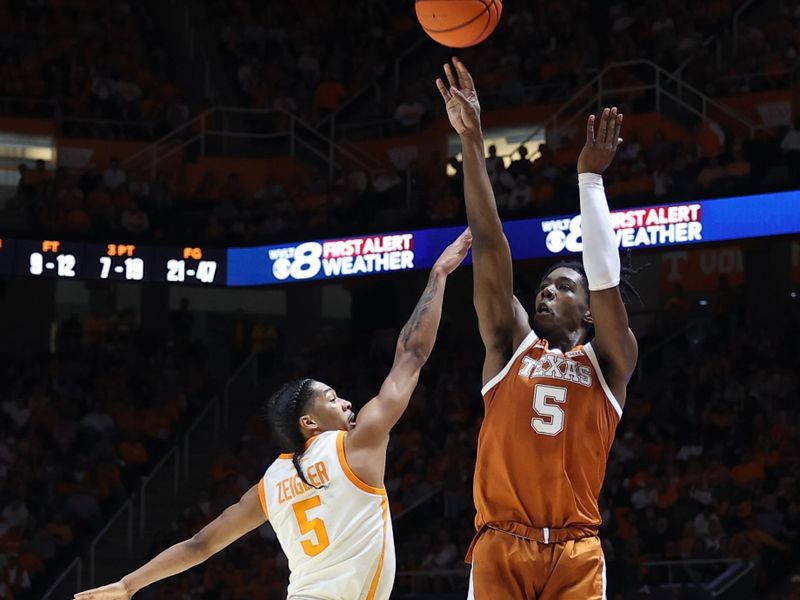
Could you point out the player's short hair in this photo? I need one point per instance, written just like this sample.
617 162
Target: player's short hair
284 408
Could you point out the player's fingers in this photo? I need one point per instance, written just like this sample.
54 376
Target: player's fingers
451 76
612 124
462 99
617 130
443 89
601 134
590 130
464 76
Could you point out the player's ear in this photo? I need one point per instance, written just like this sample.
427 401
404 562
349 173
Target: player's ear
308 423
587 317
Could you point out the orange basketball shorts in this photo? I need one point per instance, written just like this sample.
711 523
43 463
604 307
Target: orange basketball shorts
510 567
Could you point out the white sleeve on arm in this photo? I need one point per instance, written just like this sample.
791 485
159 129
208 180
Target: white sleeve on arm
600 251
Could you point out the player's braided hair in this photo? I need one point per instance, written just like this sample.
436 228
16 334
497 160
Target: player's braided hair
284 408
626 288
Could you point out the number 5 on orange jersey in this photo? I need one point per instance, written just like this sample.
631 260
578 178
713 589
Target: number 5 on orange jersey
308 525
551 416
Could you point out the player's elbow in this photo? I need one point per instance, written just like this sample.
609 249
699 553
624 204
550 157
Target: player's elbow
198 548
489 237
412 353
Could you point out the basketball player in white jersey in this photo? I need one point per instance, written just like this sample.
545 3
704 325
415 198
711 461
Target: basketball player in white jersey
325 497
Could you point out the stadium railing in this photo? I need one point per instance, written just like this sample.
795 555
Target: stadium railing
75 566
665 86
715 576
221 130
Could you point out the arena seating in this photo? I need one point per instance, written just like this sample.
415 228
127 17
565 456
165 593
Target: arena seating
78 427
96 61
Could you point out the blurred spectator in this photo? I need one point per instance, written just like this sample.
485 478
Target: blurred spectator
494 164
409 113
114 176
75 433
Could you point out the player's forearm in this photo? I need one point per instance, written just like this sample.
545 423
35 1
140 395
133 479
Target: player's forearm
600 250
482 217
419 333
173 560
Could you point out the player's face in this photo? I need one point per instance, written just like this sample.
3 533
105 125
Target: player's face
562 303
330 412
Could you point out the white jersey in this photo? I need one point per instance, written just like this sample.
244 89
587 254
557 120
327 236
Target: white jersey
338 539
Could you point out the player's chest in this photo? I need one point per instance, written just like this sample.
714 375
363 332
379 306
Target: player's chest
548 392
537 366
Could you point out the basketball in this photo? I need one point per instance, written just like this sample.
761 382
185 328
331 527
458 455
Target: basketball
459 23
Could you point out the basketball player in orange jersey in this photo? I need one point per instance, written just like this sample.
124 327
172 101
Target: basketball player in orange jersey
324 496
553 394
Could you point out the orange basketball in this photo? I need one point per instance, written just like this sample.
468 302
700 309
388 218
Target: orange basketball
459 23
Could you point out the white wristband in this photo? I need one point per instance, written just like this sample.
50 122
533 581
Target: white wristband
600 250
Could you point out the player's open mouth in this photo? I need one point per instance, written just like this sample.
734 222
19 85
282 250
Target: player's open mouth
543 309
352 420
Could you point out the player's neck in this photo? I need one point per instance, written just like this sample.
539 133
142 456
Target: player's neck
563 340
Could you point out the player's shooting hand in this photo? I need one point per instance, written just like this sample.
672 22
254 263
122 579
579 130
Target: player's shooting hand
454 254
460 99
598 152
114 591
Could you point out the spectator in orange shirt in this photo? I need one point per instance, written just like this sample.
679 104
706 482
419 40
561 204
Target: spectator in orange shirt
739 167
748 470
711 173
77 219
134 220
330 91
709 138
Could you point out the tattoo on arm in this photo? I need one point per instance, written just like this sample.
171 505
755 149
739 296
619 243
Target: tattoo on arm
418 317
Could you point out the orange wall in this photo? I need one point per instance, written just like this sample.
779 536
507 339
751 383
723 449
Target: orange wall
24 125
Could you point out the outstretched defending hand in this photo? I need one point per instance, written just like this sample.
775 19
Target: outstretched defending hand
598 153
114 591
454 254
460 99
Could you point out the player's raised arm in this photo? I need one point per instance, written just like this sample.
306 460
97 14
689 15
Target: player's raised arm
233 523
613 341
493 288
414 345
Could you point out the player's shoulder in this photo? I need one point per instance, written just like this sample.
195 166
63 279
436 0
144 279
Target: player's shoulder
521 348
320 446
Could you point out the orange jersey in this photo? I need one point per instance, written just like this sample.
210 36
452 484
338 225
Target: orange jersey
542 451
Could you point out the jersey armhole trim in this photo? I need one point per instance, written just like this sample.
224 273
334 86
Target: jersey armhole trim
262 496
354 479
601 378
526 343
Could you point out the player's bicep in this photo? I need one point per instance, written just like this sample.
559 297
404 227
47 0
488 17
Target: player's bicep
493 293
237 520
380 414
614 342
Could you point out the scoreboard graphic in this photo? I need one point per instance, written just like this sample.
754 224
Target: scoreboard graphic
643 227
